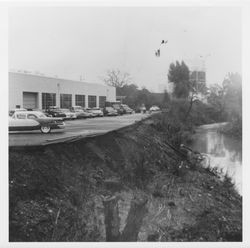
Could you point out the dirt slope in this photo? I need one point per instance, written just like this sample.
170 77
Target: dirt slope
56 192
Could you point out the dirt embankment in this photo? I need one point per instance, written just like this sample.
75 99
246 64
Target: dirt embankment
58 192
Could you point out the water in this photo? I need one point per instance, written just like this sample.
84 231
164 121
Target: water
225 152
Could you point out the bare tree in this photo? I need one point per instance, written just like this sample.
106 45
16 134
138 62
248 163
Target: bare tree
116 78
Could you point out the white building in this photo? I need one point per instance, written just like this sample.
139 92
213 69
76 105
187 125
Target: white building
197 70
36 91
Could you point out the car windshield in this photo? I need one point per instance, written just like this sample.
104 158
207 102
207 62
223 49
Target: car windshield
109 108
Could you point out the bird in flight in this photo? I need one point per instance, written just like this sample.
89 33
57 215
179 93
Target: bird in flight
158 52
164 42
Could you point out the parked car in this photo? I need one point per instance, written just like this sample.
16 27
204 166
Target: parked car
80 112
55 112
97 112
69 115
13 111
109 111
40 110
154 108
34 120
118 108
127 109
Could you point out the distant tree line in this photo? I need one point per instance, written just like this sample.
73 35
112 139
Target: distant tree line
134 96
203 104
192 99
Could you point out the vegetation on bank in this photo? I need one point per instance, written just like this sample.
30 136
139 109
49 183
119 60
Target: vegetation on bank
233 128
133 184
60 192
199 103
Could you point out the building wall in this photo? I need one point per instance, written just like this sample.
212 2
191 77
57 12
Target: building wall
199 76
20 82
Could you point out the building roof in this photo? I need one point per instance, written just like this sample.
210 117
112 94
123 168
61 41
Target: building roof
50 77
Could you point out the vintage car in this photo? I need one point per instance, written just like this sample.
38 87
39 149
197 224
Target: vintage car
55 112
13 111
109 111
69 114
80 112
154 108
34 120
127 109
96 112
118 108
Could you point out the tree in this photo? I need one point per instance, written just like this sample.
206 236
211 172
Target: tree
166 99
116 78
127 90
226 99
196 91
215 99
232 89
179 75
184 88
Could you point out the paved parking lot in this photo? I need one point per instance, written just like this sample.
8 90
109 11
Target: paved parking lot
74 128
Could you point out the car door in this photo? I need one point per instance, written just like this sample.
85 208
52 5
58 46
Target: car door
22 122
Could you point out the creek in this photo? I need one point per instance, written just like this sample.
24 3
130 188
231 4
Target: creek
224 152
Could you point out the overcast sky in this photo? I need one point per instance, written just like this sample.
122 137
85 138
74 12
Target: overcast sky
73 41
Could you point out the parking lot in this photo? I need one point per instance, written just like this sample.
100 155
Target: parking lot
74 128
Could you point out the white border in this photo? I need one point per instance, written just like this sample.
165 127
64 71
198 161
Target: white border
4 106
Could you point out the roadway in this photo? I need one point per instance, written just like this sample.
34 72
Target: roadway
74 128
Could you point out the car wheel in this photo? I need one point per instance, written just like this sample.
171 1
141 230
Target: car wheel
45 129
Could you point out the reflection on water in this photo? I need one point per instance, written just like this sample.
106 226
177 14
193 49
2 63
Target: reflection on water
224 152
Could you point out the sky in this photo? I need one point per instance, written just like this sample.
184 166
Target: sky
74 42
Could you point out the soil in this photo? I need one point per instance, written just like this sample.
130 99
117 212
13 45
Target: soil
56 191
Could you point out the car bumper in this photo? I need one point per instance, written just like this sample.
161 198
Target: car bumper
57 126
111 114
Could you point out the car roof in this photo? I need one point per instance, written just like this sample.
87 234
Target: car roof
18 109
30 112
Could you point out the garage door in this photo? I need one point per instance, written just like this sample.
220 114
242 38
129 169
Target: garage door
29 100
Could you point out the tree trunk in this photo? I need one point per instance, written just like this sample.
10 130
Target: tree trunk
134 220
135 217
112 220
189 109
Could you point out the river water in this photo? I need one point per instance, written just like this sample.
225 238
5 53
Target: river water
224 152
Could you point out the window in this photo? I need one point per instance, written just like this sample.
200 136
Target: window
80 100
48 99
31 116
66 101
92 101
102 100
21 116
